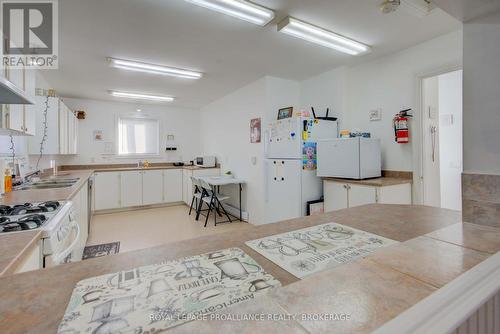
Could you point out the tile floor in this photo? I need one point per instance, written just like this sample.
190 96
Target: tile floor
147 228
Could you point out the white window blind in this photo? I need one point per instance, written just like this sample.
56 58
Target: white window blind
138 136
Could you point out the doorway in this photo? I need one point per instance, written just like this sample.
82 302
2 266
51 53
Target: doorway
442 140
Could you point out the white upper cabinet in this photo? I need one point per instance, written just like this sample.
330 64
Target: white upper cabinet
18 119
61 128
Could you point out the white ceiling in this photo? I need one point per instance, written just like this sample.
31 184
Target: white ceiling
466 10
230 52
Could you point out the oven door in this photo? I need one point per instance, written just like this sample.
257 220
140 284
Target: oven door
69 247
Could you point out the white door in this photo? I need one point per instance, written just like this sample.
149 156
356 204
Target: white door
71 131
361 195
442 141
131 189
430 119
335 196
284 192
16 111
152 187
107 190
172 187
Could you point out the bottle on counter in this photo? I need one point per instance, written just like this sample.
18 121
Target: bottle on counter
8 181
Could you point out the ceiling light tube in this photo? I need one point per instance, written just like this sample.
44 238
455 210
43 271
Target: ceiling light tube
241 9
154 69
317 35
137 96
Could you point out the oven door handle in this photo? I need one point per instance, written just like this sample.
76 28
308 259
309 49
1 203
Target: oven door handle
61 256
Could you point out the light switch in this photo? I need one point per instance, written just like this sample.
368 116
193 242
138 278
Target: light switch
254 160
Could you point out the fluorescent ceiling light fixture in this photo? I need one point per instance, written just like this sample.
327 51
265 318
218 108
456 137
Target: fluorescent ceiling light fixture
155 69
240 9
311 33
137 96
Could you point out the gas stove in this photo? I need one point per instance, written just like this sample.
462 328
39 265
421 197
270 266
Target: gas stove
28 216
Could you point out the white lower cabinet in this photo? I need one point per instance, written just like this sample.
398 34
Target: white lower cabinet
361 195
152 187
335 196
130 189
172 185
80 210
114 190
107 191
338 195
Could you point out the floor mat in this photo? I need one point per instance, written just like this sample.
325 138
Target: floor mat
310 250
153 298
91 252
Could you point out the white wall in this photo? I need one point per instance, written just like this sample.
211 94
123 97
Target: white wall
450 139
225 131
482 95
388 83
184 124
327 90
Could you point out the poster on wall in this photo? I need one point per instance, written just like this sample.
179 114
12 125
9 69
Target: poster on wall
255 130
310 161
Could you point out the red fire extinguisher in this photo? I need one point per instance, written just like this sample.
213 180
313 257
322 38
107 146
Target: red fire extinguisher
401 131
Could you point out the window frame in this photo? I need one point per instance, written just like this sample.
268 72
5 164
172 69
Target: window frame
137 155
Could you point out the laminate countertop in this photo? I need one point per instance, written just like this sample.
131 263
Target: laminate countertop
129 167
14 247
54 194
376 182
374 289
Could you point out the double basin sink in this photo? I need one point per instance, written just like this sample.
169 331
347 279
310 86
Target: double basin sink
49 184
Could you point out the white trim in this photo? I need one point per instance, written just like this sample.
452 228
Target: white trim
417 147
447 308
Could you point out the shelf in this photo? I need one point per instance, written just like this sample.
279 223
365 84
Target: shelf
10 94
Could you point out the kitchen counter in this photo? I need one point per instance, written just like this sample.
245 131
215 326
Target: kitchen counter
376 182
32 302
128 167
43 195
13 247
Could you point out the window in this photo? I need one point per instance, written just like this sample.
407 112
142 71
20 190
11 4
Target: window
138 136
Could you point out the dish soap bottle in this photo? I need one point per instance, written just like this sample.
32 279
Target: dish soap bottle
8 181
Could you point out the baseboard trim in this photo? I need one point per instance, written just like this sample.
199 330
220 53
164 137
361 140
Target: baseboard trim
136 208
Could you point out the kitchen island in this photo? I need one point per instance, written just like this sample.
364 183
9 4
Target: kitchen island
34 302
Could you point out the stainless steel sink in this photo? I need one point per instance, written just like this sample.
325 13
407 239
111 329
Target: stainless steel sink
56 181
45 186
49 184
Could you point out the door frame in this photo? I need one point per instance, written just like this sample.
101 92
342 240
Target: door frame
418 133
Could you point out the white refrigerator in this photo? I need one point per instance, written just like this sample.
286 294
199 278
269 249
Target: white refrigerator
291 163
350 158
